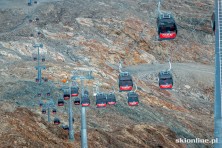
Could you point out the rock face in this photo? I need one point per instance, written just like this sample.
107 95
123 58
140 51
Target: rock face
97 35
23 128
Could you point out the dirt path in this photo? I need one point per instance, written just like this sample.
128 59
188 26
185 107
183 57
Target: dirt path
192 74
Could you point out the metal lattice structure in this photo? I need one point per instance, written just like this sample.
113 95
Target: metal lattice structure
218 75
84 143
39 67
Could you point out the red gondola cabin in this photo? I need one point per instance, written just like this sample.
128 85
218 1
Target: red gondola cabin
43 111
165 80
60 102
125 82
166 26
100 100
85 101
133 99
66 95
74 91
48 94
54 111
37 80
39 94
40 104
111 99
56 121
77 101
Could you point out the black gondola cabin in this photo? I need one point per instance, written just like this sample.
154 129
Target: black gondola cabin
35 58
56 121
85 101
165 80
39 94
166 26
40 104
133 99
46 79
43 59
77 101
48 94
66 127
60 102
37 80
66 95
43 111
100 100
54 111
111 99
74 91
125 81
86 92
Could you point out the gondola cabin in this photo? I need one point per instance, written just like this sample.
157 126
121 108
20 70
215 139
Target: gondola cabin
43 59
56 121
133 99
73 120
125 82
54 111
48 94
86 92
34 58
77 101
39 94
165 80
111 99
66 127
40 104
213 22
100 100
43 111
166 26
85 101
45 79
37 80
60 102
74 91
66 95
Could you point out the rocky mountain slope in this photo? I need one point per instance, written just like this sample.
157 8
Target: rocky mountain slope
97 35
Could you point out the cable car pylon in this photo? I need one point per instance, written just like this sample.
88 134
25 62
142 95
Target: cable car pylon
67 94
218 75
84 141
39 67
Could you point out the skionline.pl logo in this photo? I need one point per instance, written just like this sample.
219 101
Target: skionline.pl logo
196 140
